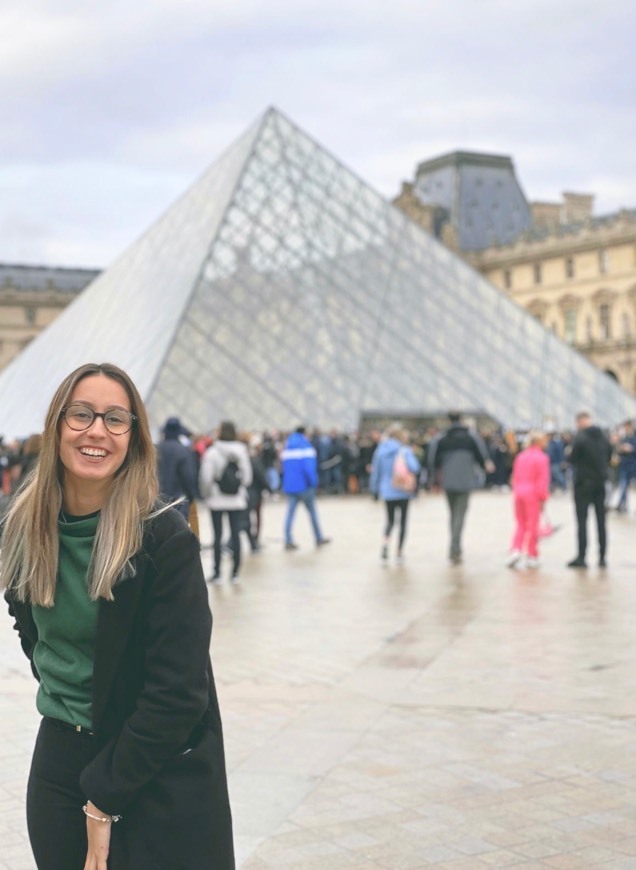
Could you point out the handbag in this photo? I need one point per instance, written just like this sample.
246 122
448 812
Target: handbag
402 477
546 528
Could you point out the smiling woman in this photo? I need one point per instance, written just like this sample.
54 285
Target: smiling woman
93 441
107 592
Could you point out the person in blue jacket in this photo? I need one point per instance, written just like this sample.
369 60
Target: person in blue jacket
385 483
300 479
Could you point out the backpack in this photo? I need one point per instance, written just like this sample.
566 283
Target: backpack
230 480
402 477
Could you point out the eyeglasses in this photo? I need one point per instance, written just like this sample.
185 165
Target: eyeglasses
81 417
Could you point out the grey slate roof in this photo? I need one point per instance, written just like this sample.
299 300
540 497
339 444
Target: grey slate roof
480 194
45 278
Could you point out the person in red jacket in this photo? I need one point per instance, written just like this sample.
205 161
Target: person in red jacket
530 487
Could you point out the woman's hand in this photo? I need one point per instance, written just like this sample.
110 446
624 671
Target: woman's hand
98 840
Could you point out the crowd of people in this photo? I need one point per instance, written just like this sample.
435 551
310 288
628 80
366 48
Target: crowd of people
234 472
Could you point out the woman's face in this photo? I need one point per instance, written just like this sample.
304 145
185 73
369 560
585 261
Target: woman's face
95 454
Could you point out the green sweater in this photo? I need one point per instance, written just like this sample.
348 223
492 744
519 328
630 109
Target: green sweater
63 654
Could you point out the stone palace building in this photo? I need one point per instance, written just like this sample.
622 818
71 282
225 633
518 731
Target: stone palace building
31 297
574 272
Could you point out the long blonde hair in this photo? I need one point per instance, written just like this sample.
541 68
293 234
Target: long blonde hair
30 537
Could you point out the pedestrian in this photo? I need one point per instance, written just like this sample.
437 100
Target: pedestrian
250 521
395 486
626 450
368 444
269 455
107 592
555 449
225 474
530 487
457 454
255 490
29 458
589 456
176 468
300 479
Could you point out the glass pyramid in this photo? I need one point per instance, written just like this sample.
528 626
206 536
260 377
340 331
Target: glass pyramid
280 288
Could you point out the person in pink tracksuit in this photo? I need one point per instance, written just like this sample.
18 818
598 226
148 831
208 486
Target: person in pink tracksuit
530 487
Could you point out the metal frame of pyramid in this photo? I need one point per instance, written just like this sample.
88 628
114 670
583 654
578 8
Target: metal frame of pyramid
281 288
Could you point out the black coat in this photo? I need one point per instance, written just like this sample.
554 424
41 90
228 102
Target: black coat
259 483
176 470
159 745
590 455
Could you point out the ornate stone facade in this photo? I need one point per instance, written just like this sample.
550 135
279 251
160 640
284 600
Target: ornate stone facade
580 281
31 297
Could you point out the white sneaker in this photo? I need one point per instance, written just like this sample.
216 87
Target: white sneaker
399 559
513 558
532 562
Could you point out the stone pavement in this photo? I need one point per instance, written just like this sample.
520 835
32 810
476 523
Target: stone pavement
414 716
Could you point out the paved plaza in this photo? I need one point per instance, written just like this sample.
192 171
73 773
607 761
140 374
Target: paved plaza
409 716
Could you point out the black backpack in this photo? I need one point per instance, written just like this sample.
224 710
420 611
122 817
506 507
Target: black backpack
230 480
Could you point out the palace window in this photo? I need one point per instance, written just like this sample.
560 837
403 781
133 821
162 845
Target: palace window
605 321
603 262
29 313
569 267
627 329
537 273
507 279
570 325
589 329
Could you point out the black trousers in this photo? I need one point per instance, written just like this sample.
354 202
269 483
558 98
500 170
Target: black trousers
236 519
56 822
584 497
391 506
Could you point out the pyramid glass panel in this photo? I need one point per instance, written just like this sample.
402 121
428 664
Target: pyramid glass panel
280 288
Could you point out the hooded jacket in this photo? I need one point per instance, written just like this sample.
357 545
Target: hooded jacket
380 482
213 464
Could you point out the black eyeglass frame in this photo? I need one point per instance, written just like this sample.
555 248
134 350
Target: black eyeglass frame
133 418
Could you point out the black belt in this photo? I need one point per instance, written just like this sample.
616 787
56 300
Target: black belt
67 726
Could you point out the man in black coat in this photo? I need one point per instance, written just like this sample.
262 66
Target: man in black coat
176 467
589 456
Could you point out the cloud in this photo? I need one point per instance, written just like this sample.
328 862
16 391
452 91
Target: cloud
124 102
79 214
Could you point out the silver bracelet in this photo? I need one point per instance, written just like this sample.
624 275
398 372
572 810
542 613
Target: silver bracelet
99 818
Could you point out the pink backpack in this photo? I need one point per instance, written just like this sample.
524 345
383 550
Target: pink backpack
402 477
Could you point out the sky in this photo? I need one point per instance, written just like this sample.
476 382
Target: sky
109 111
